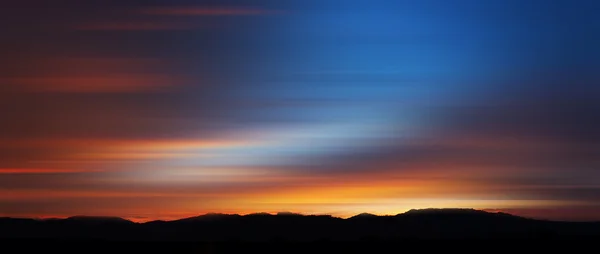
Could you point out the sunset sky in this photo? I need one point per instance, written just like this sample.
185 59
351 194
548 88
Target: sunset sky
166 109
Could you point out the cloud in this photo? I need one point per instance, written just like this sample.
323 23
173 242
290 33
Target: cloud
206 11
93 75
163 18
142 26
124 145
66 153
106 83
65 194
43 171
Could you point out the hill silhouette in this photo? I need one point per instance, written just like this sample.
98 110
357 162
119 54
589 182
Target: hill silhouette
291 227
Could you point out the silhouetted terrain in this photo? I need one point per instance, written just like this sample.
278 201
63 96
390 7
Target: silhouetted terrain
289 227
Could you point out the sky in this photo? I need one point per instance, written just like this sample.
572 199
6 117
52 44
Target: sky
168 109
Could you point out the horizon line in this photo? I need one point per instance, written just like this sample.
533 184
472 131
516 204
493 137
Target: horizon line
132 219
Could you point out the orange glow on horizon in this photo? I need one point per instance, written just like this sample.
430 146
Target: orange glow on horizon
348 196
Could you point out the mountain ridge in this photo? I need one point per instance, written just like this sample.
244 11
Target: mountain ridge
211 215
285 226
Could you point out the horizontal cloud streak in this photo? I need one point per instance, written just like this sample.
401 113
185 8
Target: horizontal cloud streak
93 75
142 26
206 11
91 84
43 171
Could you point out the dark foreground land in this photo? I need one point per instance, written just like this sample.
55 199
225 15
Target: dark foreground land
287 227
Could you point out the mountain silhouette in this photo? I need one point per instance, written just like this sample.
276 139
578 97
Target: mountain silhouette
292 227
